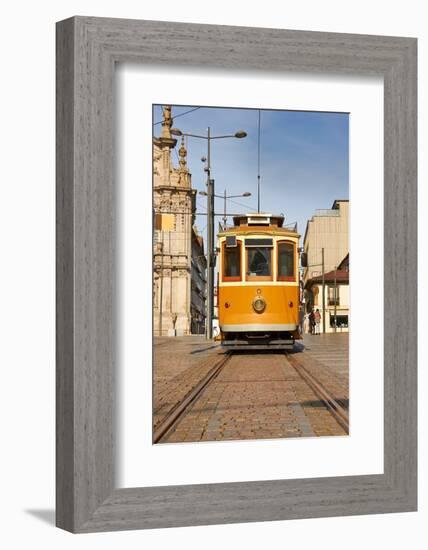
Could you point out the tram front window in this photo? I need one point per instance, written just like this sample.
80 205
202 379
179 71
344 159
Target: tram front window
232 263
259 262
285 261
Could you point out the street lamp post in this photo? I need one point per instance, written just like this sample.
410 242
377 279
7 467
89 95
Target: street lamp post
210 219
225 197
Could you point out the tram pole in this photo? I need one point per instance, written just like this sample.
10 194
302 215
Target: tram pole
224 212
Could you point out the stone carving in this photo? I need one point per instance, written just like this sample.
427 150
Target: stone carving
179 248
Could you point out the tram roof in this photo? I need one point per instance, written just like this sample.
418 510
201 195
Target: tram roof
267 222
259 218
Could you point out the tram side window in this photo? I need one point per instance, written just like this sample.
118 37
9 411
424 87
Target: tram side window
259 261
232 263
285 261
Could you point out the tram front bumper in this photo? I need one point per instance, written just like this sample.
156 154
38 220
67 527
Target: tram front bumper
258 344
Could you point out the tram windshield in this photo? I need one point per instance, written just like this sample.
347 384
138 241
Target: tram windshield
232 263
285 261
259 262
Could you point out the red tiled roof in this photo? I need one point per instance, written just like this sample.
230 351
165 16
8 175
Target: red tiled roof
344 263
340 275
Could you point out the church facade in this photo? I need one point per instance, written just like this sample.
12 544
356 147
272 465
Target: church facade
179 263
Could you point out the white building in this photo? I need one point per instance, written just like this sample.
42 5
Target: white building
336 297
327 237
328 229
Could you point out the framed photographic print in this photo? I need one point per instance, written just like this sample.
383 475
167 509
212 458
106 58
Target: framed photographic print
259 299
236 274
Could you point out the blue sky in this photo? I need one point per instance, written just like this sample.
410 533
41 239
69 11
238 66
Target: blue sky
304 159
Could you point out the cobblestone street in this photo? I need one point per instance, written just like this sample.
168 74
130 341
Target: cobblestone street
253 396
179 363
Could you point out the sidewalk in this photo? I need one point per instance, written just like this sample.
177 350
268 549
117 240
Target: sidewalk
331 349
326 356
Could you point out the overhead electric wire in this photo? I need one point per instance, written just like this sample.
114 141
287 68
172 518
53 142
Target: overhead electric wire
180 114
218 214
242 204
201 205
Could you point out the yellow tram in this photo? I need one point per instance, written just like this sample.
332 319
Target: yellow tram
258 283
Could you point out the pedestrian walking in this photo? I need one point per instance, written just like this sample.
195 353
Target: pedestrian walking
307 324
312 322
317 319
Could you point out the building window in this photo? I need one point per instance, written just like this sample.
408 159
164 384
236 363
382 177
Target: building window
286 261
259 263
341 321
232 262
315 292
333 296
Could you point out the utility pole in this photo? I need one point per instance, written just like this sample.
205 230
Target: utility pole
322 264
210 241
161 288
335 299
323 291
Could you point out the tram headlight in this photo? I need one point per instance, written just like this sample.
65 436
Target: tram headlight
259 304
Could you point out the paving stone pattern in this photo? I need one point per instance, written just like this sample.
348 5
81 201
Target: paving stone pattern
326 357
179 364
255 396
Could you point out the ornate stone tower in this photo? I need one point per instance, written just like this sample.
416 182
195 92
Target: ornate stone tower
174 208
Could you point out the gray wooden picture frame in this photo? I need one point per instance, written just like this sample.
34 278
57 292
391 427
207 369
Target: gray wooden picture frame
87 50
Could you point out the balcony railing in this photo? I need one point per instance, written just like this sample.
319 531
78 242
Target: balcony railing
291 227
327 212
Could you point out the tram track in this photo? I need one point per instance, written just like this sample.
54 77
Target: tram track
180 409
339 413
175 416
